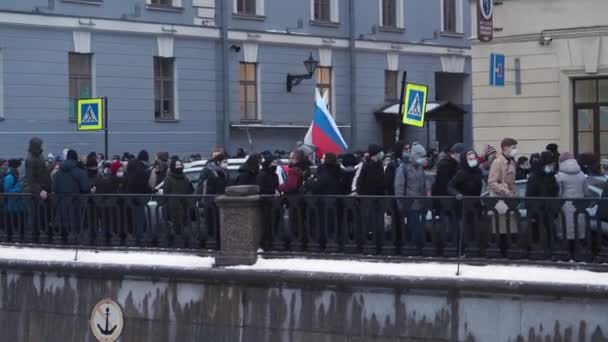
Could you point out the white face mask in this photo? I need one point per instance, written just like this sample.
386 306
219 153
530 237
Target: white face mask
120 174
473 163
513 153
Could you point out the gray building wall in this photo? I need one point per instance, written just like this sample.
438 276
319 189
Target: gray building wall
35 65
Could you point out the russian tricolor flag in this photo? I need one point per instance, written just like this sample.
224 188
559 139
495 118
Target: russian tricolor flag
323 132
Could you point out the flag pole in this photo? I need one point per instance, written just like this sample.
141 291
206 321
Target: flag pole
399 133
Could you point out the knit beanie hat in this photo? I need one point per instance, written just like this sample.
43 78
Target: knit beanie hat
490 151
457 148
418 151
72 155
35 147
374 149
115 167
143 156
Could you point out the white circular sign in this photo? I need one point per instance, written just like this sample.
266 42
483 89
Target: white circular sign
107 321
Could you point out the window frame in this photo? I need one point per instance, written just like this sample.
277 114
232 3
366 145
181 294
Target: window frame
333 13
458 18
78 78
326 86
252 11
394 84
161 91
384 11
244 114
595 107
174 5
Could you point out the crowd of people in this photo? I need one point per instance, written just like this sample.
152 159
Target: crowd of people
401 171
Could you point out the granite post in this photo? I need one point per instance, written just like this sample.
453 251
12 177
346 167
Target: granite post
240 225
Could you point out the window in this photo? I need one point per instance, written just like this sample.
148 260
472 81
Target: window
389 13
164 3
324 84
248 85
247 7
80 70
391 79
322 10
164 88
449 15
591 116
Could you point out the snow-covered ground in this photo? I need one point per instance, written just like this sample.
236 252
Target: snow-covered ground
106 257
511 273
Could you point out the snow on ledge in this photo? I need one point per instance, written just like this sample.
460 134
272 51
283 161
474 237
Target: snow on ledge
509 273
88 256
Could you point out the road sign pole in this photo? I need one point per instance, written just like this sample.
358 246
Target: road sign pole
399 134
105 126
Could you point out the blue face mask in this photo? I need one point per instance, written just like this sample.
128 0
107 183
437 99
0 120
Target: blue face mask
549 169
405 155
420 161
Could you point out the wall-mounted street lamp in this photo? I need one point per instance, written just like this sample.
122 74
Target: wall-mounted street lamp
294 80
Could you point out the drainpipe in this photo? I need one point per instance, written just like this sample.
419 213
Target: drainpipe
225 130
353 79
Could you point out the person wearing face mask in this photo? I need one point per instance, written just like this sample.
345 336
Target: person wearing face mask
501 181
176 183
410 181
523 168
542 183
371 178
398 150
214 176
446 169
295 173
267 179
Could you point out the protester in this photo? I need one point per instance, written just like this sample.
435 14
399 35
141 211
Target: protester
410 181
295 173
349 164
572 184
501 181
329 176
160 170
554 149
240 153
542 183
371 178
107 184
12 185
136 182
37 180
92 169
447 168
523 168
391 168
214 176
486 162
468 180
176 183
267 179
249 171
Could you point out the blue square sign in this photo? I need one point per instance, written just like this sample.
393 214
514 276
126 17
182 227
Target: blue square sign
497 70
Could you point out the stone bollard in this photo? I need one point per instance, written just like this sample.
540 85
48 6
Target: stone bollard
240 225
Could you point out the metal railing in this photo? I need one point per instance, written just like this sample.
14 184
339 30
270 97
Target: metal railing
167 221
546 229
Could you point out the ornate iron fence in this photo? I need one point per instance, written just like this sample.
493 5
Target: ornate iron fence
167 221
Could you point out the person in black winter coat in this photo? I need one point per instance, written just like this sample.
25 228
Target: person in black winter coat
371 178
468 181
267 179
136 182
70 181
447 168
399 149
249 171
329 176
542 183
214 177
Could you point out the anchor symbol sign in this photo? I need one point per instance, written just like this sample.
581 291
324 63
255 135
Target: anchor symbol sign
107 331
107 321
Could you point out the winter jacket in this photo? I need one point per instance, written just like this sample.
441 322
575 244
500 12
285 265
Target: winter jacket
177 208
268 180
110 185
158 175
348 174
541 184
71 179
371 179
295 178
521 174
37 177
501 181
329 180
467 181
247 176
14 204
572 184
389 176
410 181
213 179
446 169
136 179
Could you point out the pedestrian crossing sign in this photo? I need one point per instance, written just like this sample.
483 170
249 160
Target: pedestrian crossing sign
90 114
414 106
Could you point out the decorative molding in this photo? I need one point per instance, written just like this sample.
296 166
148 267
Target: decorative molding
453 64
290 39
82 41
325 57
165 46
591 50
392 61
250 52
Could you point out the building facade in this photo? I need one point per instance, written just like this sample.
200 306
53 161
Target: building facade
556 89
187 75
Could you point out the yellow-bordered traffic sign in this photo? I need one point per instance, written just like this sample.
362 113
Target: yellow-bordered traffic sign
91 114
414 106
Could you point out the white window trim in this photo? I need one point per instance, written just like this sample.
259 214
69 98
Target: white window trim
259 7
175 91
334 10
400 15
93 75
1 84
258 87
459 17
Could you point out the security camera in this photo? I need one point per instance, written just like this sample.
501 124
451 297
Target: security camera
545 40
